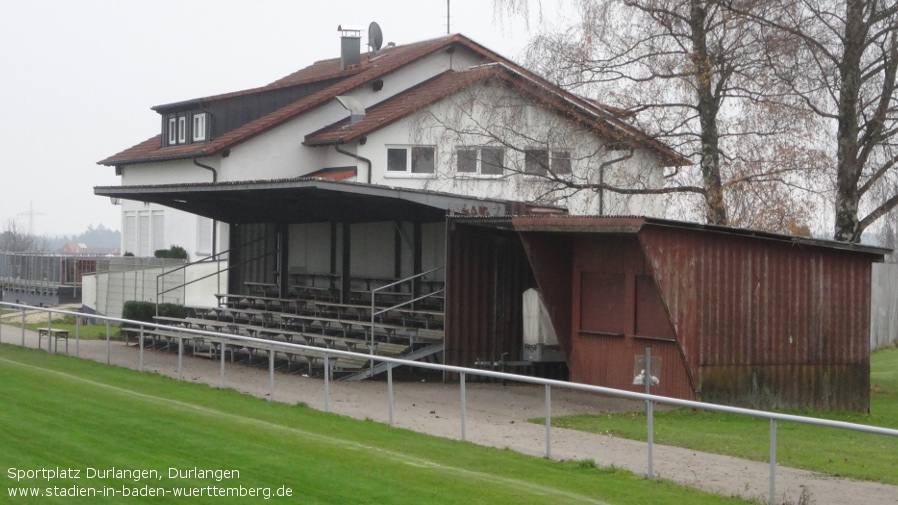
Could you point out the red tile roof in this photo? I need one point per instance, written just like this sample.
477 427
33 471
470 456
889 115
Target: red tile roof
600 119
398 106
371 67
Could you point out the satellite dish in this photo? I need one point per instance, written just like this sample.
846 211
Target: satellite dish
375 36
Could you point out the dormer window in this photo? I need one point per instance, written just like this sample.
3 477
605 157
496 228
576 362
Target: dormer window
199 127
186 128
172 131
182 129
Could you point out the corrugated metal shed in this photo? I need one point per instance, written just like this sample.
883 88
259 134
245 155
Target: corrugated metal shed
737 316
486 272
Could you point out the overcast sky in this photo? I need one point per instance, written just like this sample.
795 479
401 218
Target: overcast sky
79 77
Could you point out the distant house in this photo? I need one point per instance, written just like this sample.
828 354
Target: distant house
445 116
82 249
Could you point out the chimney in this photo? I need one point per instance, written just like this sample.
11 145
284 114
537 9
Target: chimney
350 46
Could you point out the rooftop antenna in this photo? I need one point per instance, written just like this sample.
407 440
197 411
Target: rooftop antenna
375 37
447 17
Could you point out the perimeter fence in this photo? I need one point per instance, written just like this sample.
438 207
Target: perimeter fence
272 347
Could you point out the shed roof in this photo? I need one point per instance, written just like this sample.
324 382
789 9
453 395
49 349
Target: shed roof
635 224
313 199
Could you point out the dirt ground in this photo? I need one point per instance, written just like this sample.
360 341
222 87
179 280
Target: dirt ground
496 416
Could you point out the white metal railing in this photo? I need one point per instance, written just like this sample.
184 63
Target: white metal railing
272 346
374 312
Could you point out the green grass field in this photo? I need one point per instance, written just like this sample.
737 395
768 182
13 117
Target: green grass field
60 412
828 450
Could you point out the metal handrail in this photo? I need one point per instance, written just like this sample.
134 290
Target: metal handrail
217 257
225 338
383 311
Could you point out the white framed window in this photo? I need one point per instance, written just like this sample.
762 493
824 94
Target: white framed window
411 160
144 248
172 131
144 232
130 232
483 161
199 127
158 225
182 129
540 161
560 162
203 236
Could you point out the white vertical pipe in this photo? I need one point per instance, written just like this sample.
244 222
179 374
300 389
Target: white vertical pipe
390 390
548 421
271 374
650 436
327 382
772 498
221 349
463 406
140 352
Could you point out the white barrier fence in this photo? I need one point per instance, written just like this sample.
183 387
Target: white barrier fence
224 339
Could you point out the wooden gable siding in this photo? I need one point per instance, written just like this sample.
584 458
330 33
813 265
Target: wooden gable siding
231 113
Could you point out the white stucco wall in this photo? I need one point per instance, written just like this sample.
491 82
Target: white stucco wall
520 126
279 153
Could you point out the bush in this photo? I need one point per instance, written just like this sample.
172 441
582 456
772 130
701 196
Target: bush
174 252
146 311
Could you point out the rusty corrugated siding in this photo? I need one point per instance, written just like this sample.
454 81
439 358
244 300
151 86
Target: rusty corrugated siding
550 257
607 360
767 320
486 275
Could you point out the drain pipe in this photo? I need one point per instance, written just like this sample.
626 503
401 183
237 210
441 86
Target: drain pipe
356 156
214 222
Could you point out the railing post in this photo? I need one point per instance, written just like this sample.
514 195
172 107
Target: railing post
49 328
772 499
221 350
23 326
140 352
180 357
327 382
271 374
371 346
390 390
548 421
650 436
77 336
463 406
107 342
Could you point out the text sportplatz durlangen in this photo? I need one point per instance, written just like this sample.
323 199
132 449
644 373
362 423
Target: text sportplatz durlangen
133 474
144 482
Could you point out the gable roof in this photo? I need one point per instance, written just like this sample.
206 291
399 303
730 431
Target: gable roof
371 67
605 121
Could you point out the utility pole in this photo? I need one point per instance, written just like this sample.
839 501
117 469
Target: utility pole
447 17
31 213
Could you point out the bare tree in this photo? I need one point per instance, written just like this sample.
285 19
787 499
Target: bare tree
691 74
839 59
15 239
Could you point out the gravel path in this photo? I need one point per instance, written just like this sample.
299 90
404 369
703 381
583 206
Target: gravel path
496 415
